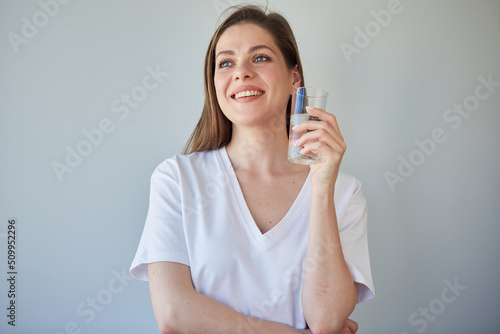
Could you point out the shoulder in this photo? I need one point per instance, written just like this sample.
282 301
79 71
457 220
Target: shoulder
185 164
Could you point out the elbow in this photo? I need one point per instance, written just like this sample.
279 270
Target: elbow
332 321
329 322
326 327
168 322
331 317
167 329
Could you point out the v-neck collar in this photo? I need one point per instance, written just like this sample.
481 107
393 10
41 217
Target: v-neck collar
280 230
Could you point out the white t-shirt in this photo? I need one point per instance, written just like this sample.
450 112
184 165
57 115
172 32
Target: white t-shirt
198 217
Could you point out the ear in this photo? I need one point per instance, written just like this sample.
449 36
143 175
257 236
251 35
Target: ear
296 79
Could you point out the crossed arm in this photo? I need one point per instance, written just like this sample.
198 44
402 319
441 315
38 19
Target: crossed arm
179 308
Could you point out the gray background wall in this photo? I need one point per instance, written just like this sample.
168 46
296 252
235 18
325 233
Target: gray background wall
401 89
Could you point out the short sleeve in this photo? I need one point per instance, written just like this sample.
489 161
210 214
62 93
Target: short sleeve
354 239
163 235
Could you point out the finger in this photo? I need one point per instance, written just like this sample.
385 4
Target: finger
353 326
324 137
325 116
344 330
320 133
331 152
315 125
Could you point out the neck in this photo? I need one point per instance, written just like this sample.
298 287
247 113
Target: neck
262 150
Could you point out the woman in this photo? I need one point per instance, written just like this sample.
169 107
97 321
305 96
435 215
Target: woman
237 238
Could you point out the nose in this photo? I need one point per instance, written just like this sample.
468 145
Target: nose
243 71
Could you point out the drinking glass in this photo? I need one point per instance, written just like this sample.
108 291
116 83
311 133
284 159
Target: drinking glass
303 97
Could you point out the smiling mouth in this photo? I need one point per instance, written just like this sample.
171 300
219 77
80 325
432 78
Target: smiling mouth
246 94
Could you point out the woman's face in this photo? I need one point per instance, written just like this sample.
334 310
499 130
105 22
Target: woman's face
252 81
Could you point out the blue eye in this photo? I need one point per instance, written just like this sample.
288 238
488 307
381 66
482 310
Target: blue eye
224 63
261 58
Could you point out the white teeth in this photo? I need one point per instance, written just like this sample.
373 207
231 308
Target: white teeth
248 93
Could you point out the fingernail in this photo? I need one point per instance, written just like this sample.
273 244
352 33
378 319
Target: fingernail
309 108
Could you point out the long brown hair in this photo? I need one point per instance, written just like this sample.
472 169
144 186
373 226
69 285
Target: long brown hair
214 130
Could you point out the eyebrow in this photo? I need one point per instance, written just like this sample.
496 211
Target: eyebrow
252 49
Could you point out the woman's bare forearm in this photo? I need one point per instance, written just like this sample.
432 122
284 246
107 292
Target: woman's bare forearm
328 293
181 309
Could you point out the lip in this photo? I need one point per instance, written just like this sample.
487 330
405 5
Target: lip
245 88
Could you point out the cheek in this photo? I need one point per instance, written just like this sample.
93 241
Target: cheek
281 80
220 82
279 75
